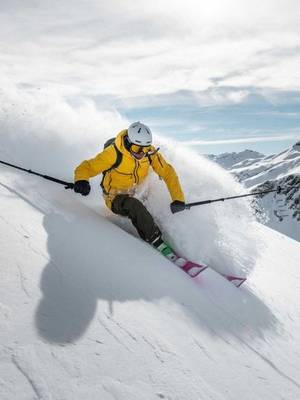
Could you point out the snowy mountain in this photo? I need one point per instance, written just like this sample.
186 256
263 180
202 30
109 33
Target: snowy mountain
228 160
88 310
258 173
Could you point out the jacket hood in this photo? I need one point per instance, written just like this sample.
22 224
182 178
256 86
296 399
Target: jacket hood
119 141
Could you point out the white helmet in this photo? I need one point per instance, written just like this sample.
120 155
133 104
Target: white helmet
139 134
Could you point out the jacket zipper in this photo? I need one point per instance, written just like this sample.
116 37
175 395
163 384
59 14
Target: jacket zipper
135 172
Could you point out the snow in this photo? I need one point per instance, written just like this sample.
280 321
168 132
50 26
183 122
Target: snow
82 319
88 310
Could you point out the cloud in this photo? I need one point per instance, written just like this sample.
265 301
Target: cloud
254 139
133 49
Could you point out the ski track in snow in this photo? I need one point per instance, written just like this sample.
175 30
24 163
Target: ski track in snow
24 371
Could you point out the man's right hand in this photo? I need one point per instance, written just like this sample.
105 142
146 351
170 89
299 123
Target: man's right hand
82 187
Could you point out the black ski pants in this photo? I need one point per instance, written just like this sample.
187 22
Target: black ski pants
140 217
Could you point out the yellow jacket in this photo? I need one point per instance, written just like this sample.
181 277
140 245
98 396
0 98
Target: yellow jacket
129 173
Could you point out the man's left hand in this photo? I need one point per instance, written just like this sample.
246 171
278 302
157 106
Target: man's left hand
177 206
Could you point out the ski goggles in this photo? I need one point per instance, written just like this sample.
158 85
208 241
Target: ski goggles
139 152
135 148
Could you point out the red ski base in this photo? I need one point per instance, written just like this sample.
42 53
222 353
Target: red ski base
194 269
235 279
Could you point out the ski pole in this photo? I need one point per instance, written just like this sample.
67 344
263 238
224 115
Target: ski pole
68 185
200 203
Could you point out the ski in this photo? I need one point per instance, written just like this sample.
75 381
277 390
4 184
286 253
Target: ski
189 267
235 280
194 269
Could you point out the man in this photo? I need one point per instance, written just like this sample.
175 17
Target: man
125 163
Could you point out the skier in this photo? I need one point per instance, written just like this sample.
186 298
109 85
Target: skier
125 162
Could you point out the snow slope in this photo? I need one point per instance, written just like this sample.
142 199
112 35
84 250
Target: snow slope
88 310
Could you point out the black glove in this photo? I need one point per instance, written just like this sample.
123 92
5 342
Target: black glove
82 187
177 206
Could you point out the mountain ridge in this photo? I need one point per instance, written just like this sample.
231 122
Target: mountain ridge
279 211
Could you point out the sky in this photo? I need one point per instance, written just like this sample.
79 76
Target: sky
218 76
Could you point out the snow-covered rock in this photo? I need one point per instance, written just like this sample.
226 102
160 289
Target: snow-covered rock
280 211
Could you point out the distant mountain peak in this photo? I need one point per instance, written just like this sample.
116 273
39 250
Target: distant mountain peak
297 146
228 160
